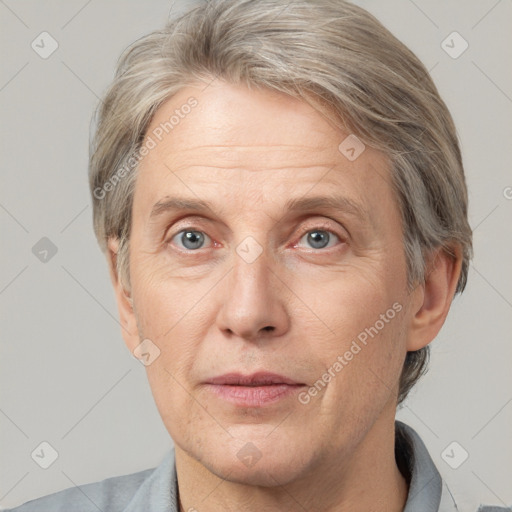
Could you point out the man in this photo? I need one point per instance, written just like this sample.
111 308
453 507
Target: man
279 192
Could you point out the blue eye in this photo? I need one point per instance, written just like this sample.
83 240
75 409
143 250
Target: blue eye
191 239
319 238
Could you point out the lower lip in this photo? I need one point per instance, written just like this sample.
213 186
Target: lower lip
254 396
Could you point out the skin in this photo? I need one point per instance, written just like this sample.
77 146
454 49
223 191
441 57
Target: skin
292 311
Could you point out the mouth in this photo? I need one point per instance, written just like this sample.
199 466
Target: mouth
254 390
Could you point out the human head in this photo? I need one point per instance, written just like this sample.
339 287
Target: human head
333 55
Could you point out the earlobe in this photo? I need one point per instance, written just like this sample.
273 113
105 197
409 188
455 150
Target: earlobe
123 298
435 296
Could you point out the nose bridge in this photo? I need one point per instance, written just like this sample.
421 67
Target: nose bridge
252 307
250 267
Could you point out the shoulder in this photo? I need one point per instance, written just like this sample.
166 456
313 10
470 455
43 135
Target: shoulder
109 495
427 489
492 508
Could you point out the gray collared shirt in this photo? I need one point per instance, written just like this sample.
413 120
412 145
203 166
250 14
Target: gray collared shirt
156 490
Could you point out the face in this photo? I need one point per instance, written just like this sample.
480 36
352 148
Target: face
279 301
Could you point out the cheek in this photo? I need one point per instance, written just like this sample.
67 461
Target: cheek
168 313
162 303
372 360
342 303
185 414
360 337
167 391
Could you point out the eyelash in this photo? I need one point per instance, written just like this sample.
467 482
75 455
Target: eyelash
320 227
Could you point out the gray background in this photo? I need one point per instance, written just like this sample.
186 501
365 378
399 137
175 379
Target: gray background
66 376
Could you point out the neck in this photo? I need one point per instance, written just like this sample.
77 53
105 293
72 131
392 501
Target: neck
366 479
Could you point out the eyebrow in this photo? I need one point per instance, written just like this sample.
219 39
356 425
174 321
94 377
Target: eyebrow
324 203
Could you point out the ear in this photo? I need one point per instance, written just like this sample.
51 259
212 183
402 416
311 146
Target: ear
432 299
127 317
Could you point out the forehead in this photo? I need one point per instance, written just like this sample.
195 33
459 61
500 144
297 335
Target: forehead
228 117
282 145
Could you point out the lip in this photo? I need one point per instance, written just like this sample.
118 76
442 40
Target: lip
253 379
254 390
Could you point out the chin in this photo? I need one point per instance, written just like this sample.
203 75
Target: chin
269 465
261 475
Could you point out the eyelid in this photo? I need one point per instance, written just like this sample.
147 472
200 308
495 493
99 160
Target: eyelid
321 226
185 223
168 238
324 223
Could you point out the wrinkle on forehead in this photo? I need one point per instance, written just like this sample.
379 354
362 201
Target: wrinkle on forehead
249 157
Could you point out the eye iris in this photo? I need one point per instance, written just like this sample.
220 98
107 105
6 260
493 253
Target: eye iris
318 239
192 239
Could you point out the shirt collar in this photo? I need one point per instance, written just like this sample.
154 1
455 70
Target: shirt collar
427 491
159 492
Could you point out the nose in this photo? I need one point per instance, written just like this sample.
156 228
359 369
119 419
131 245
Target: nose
254 300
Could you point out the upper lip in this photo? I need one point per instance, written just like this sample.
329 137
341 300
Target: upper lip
253 379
